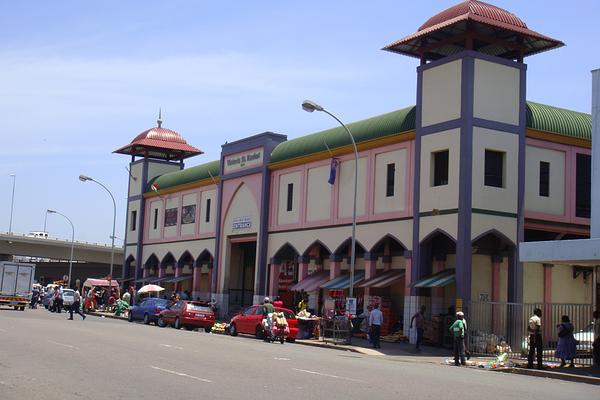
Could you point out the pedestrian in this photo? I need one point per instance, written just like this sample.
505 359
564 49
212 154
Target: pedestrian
419 319
76 305
375 322
596 338
185 295
567 346
458 332
34 298
534 327
127 298
58 299
466 337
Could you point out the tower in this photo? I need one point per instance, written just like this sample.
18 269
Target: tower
154 152
470 141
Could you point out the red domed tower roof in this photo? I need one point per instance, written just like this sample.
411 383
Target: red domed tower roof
161 143
473 25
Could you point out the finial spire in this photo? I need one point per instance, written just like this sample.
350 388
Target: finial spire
159 120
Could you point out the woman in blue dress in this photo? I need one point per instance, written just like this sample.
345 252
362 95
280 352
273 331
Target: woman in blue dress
567 345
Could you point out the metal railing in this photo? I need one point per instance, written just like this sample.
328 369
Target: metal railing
498 327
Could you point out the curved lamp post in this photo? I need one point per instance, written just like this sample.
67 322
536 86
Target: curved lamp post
84 178
310 106
72 240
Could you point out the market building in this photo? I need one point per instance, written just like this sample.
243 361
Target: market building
447 189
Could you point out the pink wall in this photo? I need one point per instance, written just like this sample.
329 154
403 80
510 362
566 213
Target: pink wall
370 215
570 183
148 219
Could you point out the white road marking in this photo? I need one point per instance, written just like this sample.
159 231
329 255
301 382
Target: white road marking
180 374
65 345
282 359
171 346
328 375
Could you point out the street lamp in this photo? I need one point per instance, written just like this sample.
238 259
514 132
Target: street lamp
84 178
310 106
72 240
12 203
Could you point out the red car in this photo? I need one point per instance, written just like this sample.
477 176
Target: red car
250 321
189 314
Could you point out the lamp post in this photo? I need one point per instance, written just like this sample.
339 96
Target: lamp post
72 240
310 106
12 203
84 178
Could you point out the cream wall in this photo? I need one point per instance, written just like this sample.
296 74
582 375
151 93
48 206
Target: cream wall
135 179
332 237
489 197
446 196
396 202
555 202
155 233
481 223
481 276
283 215
533 283
448 223
243 204
188 200
157 169
441 93
132 236
194 247
346 188
171 231
496 92
565 289
318 197
208 227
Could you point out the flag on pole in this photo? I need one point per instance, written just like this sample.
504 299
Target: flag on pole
155 187
333 171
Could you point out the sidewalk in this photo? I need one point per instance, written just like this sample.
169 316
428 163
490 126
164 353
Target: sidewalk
435 355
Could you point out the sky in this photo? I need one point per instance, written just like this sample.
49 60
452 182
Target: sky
81 79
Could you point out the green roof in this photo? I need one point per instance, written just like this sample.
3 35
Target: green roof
371 128
188 175
559 120
539 116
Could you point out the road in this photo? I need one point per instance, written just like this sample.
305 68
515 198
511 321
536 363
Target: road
45 354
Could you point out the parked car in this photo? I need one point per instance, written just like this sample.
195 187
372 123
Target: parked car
68 298
148 310
189 314
250 321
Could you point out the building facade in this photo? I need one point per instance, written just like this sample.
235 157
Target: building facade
446 190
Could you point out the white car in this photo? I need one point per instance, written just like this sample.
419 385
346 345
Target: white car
68 297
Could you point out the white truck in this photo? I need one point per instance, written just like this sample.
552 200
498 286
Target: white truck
16 281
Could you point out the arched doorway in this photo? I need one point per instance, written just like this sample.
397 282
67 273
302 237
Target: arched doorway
203 272
284 273
183 274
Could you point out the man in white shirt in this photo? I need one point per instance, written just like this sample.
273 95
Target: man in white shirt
534 327
375 322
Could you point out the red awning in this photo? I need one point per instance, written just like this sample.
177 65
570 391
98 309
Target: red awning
311 282
89 282
384 279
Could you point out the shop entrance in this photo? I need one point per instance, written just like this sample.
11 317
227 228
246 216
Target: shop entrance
241 273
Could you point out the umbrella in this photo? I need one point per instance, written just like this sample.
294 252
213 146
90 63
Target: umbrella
150 289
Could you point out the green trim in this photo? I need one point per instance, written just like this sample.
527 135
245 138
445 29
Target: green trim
188 175
314 228
377 127
493 212
438 212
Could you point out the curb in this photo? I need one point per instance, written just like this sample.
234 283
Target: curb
551 375
95 314
324 345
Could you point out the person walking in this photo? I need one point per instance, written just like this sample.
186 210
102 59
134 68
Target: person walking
76 305
375 322
534 327
419 319
567 346
466 336
458 332
58 299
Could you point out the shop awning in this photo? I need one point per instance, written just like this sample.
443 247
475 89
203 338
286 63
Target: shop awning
343 282
157 280
178 279
312 282
384 279
439 279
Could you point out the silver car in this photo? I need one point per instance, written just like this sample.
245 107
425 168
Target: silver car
68 297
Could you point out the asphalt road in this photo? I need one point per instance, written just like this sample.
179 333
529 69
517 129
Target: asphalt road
44 354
